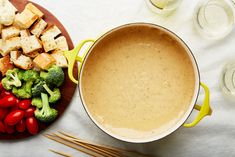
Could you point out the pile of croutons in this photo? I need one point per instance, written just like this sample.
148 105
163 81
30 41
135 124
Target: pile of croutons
27 41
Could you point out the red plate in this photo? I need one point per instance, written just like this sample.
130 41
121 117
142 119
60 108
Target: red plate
68 87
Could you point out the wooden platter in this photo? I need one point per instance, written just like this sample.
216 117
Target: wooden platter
67 89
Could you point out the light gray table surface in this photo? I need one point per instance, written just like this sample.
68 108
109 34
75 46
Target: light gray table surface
214 136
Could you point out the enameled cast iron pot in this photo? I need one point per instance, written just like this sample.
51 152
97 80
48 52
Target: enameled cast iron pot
204 109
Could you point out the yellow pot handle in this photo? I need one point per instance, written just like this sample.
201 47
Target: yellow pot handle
72 56
204 110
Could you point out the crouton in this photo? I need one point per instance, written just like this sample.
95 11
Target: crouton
38 27
5 64
7 12
1 44
25 19
60 59
61 43
30 44
24 33
34 10
14 55
48 43
23 62
9 32
9 45
1 28
44 61
32 54
52 31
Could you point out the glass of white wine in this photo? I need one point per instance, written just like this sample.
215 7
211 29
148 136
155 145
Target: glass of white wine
163 6
214 19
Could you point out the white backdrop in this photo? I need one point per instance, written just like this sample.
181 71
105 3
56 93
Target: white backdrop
214 136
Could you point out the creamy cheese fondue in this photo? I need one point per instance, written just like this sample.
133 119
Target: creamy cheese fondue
137 82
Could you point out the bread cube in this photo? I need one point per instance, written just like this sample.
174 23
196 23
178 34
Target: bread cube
34 10
23 62
9 45
30 44
32 54
25 19
5 64
48 43
52 31
1 28
38 27
1 44
7 12
14 55
10 32
24 33
60 59
44 61
61 43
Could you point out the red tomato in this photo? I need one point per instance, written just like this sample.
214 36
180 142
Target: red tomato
9 129
8 101
20 126
29 112
32 125
2 127
14 117
3 113
24 104
5 93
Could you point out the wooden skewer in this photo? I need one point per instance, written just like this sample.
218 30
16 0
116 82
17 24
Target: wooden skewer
102 146
95 149
71 145
105 147
115 152
60 153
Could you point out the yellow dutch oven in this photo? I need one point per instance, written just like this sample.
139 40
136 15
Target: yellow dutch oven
204 109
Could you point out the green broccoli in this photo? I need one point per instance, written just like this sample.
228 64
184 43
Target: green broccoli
38 88
24 92
54 95
11 80
30 75
54 77
45 114
37 102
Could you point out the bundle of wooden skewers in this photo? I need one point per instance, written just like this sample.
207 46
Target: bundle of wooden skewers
89 148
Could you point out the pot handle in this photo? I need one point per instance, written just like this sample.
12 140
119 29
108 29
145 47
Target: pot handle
204 110
72 56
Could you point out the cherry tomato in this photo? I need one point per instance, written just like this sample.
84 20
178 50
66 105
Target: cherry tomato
2 127
24 104
32 125
29 112
5 93
3 113
8 101
20 126
14 117
9 129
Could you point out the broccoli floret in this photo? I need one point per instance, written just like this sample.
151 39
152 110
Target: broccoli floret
38 88
37 102
30 75
54 95
11 80
54 77
24 92
45 114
